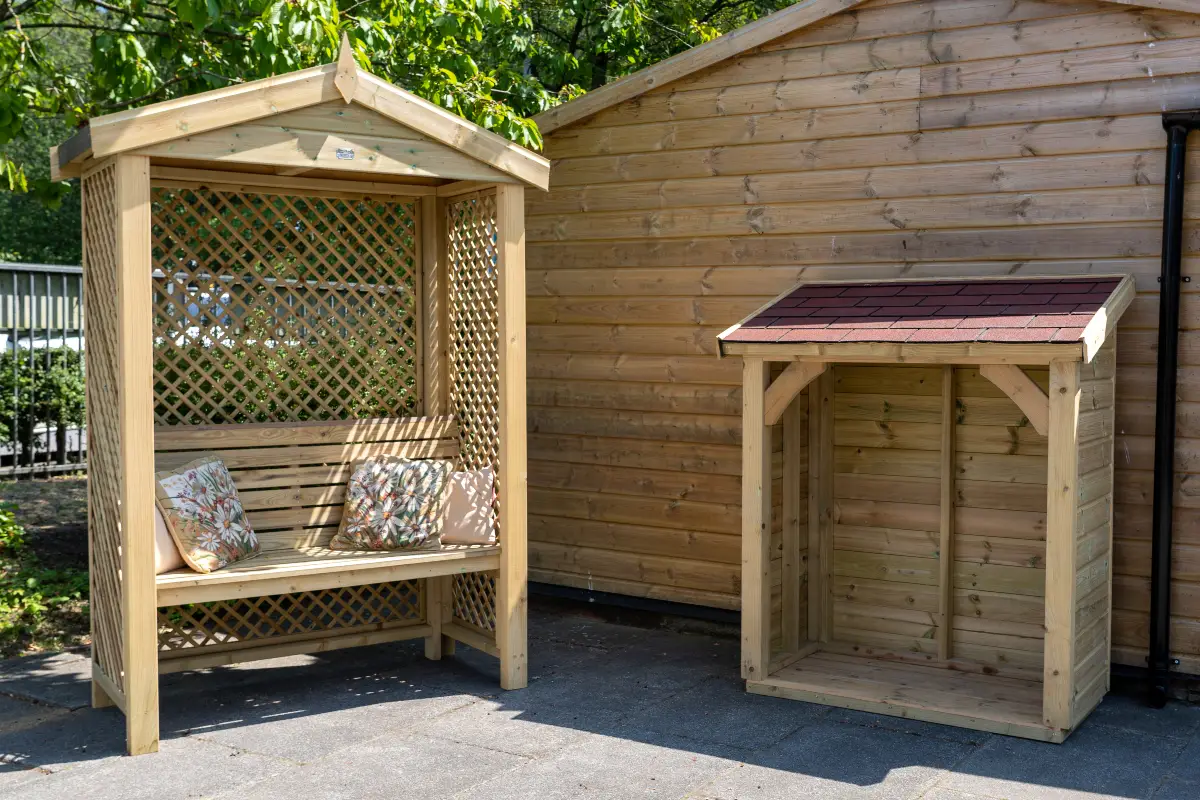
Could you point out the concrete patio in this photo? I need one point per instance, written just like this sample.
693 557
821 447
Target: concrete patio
612 711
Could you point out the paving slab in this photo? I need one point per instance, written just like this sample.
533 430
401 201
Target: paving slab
1095 762
611 768
57 679
719 711
18 714
183 768
387 767
833 761
1187 767
1176 720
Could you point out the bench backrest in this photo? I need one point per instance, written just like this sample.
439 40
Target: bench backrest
292 477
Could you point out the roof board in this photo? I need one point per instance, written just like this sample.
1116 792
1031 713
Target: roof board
159 123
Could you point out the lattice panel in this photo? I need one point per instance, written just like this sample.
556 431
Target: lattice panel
474 347
475 599
276 308
257 618
101 259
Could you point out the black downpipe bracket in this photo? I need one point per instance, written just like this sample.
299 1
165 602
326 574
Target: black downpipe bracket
1178 125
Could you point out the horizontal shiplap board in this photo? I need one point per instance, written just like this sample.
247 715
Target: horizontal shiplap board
1132 131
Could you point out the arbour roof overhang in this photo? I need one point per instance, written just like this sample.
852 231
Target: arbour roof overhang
344 80
988 320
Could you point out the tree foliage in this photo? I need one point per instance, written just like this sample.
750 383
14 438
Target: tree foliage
496 62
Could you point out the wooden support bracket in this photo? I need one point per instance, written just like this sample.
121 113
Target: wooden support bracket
1021 389
789 384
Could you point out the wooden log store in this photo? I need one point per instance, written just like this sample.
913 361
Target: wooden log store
295 274
837 140
1036 355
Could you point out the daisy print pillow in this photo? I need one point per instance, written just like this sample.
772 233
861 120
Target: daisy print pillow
394 504
204 515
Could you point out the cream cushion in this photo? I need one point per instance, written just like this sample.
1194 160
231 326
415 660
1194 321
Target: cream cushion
469 508
166 553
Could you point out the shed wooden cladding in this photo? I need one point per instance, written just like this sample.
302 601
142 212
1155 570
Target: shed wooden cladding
957 562
845 149
295 274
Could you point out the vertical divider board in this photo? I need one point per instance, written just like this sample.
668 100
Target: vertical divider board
794 579
946 523
820 507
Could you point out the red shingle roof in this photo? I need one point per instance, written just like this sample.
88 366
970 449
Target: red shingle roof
1038 310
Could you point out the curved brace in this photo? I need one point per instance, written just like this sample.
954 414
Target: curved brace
1021 389
789 384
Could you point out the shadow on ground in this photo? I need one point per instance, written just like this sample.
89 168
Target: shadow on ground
612 711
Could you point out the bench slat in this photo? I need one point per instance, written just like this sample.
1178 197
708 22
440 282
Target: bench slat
277 434
320 454
316 569
254 500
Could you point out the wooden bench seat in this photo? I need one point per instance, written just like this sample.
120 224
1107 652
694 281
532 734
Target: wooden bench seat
314 568
292 478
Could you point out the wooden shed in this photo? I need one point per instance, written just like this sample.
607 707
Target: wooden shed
294 275
842 140
877 611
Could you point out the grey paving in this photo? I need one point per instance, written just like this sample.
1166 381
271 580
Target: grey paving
611 711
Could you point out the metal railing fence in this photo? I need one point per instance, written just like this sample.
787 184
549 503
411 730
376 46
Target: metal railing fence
42 426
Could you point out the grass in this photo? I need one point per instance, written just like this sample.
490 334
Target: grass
43 566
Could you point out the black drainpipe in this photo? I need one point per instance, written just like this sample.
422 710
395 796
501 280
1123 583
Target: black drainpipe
1178 125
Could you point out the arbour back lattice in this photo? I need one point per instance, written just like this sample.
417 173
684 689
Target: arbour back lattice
278 307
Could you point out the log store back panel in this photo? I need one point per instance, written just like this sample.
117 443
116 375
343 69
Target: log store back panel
904 138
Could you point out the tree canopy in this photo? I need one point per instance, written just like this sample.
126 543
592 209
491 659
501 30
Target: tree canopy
495 62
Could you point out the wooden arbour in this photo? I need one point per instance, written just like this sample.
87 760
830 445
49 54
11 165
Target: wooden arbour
297 273
884 581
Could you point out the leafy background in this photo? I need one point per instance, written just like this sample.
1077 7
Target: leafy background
495 62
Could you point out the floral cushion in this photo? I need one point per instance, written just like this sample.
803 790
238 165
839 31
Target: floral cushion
204 515
394 504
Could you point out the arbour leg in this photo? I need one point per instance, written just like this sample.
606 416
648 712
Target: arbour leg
511 583
139 595
435 617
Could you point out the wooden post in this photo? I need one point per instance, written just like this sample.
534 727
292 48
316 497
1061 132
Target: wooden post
511 591
1062 493
435 384
946 544
136 412
756 522
820 508
795 510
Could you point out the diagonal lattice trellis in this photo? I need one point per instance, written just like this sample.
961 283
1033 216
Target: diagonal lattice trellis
278 308
105 478
256 618
474 358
